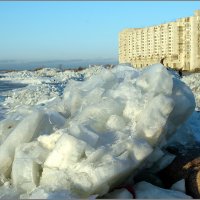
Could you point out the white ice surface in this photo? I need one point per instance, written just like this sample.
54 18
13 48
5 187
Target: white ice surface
179 186
95 135
119 194
146 190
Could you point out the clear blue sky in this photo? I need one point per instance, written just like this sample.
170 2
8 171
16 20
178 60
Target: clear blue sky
77 30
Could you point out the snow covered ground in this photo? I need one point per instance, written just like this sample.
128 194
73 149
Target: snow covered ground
69 134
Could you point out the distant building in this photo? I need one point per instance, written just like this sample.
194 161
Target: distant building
175 44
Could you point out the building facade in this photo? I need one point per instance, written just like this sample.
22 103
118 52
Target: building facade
175 44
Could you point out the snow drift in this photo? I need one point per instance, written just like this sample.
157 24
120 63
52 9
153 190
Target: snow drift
98 135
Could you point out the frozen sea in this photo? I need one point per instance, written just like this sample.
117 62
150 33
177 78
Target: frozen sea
25 87
111 118
6 86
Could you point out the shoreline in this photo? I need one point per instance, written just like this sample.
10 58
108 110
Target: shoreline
77 69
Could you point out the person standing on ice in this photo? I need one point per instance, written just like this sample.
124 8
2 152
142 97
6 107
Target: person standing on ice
180 72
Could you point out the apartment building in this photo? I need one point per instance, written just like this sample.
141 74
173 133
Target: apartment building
175 44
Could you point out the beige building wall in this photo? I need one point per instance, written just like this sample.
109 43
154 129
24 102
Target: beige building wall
177 44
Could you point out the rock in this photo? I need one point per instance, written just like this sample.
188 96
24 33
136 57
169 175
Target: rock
185 166
192 184
180 168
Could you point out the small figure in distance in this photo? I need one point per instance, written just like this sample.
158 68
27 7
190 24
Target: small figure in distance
162 61
180 72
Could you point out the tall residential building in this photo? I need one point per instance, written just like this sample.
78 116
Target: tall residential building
175 44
